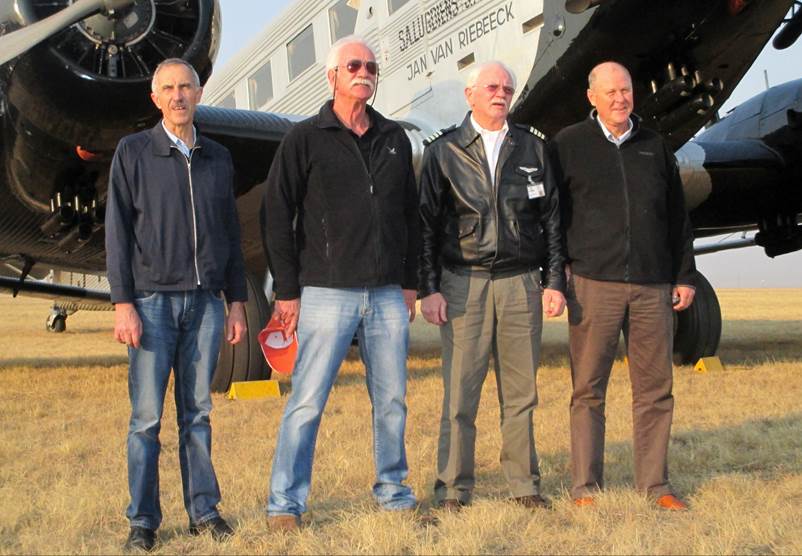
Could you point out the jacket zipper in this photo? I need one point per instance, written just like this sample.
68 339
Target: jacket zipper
626 207
194 217
495 189
374 216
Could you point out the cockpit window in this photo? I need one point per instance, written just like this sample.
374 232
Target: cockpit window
393 5
260 87
301 52
342 19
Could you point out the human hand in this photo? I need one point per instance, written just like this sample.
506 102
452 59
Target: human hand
236 327
287 311
553 303
433 307
682 297
127 325
410 298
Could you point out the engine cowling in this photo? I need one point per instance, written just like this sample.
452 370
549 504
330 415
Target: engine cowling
73 97
88 85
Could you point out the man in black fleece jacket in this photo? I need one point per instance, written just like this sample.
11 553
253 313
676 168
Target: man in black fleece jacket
630 254
341 232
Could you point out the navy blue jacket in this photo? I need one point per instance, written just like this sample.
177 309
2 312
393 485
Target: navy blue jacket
171 222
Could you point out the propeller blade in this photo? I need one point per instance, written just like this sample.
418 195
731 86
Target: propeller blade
17 42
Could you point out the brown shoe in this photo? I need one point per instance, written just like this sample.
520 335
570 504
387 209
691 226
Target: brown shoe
584 501
450 505
284 522
532 501
672 503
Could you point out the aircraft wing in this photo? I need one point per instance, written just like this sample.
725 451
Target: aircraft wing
251 137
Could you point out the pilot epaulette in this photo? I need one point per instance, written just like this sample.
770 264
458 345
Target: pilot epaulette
438 134
533 130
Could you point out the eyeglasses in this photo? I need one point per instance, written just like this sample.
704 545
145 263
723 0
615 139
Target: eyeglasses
354 66
493 88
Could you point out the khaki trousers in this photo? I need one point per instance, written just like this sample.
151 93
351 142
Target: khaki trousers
597 313
503 315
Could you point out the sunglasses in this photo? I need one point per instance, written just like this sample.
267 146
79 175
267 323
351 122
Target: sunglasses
493 88
354 66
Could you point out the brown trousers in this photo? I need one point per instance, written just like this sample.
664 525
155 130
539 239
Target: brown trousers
503 315
597 313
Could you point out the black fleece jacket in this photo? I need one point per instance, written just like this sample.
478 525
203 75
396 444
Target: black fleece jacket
329 219
623 209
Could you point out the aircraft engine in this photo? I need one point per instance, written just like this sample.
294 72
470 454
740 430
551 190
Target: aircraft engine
72 97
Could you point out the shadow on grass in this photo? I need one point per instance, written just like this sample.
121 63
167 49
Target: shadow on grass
552 355
747 342
54 361
762 449
765 449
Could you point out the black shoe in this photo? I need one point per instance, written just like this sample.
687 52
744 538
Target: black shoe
217 526
140 538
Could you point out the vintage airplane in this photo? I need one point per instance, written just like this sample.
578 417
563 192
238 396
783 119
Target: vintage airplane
74 78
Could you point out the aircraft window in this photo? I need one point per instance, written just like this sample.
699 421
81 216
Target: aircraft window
532 24
260 87
301 52
468 60
393 5
228 101
342 19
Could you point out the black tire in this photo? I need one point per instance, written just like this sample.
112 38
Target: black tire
245 361
57 324
698 328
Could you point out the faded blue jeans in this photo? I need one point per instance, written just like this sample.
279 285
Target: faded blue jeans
328 319
180 331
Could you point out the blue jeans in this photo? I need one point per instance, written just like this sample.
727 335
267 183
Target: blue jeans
328 319
180 331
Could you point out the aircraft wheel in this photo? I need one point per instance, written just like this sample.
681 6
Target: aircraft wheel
245 361
698 328
56 322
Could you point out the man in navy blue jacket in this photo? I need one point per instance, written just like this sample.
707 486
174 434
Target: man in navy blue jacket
173 258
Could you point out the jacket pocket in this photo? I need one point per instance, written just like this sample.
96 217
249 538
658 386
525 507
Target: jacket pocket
530 240
468 239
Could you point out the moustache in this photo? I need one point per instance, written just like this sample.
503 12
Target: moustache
362 81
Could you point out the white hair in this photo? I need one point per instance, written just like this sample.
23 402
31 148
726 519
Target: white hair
473 77
173 62
333 58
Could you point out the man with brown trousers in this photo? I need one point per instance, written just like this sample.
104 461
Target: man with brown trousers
630 255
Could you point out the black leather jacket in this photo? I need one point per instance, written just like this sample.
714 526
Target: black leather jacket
467 223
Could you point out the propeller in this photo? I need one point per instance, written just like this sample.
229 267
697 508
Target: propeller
17 42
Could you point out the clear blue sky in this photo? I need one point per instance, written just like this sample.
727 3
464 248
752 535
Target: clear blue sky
243 20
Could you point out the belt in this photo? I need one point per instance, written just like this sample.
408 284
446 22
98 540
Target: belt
490 274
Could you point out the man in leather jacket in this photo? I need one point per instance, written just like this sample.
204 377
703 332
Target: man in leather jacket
491 236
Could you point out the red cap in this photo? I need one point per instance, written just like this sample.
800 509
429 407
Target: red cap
279 352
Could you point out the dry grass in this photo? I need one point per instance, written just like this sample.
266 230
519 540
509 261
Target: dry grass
736 452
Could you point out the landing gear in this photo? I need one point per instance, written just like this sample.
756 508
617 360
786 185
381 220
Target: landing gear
698 328
245 361
56 320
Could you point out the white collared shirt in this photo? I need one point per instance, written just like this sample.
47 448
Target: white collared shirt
492 141
617 141
183 147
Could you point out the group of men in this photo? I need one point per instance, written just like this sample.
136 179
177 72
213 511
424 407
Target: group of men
502 230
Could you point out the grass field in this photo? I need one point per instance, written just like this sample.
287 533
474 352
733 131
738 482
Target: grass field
736 452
